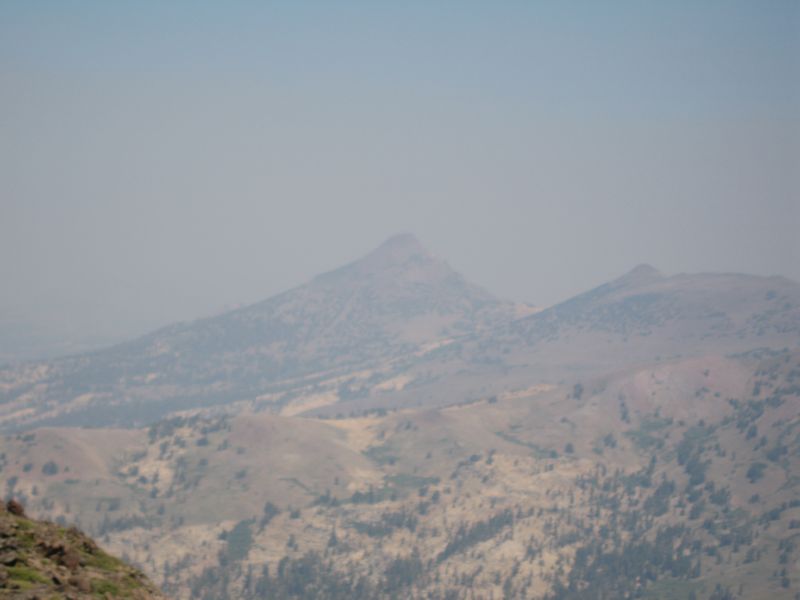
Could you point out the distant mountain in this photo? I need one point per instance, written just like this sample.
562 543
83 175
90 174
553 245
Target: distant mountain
718 307
399 327
393 302
645 316
633 321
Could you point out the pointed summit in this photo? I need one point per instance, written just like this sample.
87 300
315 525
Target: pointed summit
644 270
397 251
641 274
401 241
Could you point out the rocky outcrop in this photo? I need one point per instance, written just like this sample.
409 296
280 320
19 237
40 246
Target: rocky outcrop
42 560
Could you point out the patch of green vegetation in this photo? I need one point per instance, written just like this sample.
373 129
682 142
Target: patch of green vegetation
643 437
389 522
538 451
25 574
240 539
654 423
381 455
24 525
26 535
375 530
475 533
673 589
103 561
756 471
373 496
601 443
404 480
101 587
50 468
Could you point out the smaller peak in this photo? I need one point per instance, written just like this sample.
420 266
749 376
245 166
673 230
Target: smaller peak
645 270
641 274
402 242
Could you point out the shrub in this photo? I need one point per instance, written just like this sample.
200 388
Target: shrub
50 468
756 471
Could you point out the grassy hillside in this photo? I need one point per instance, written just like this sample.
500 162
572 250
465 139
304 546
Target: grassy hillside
43 560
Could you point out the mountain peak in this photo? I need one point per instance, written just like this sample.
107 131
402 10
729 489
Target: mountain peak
396 250
403 244
642 273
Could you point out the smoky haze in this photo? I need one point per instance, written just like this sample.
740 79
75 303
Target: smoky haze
161 163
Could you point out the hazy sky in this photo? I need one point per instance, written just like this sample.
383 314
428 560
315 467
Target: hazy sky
161 160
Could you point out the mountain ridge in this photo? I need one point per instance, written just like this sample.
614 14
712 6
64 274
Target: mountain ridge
387 304
392 327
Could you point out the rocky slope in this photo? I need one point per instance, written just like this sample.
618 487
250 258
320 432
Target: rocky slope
43 560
